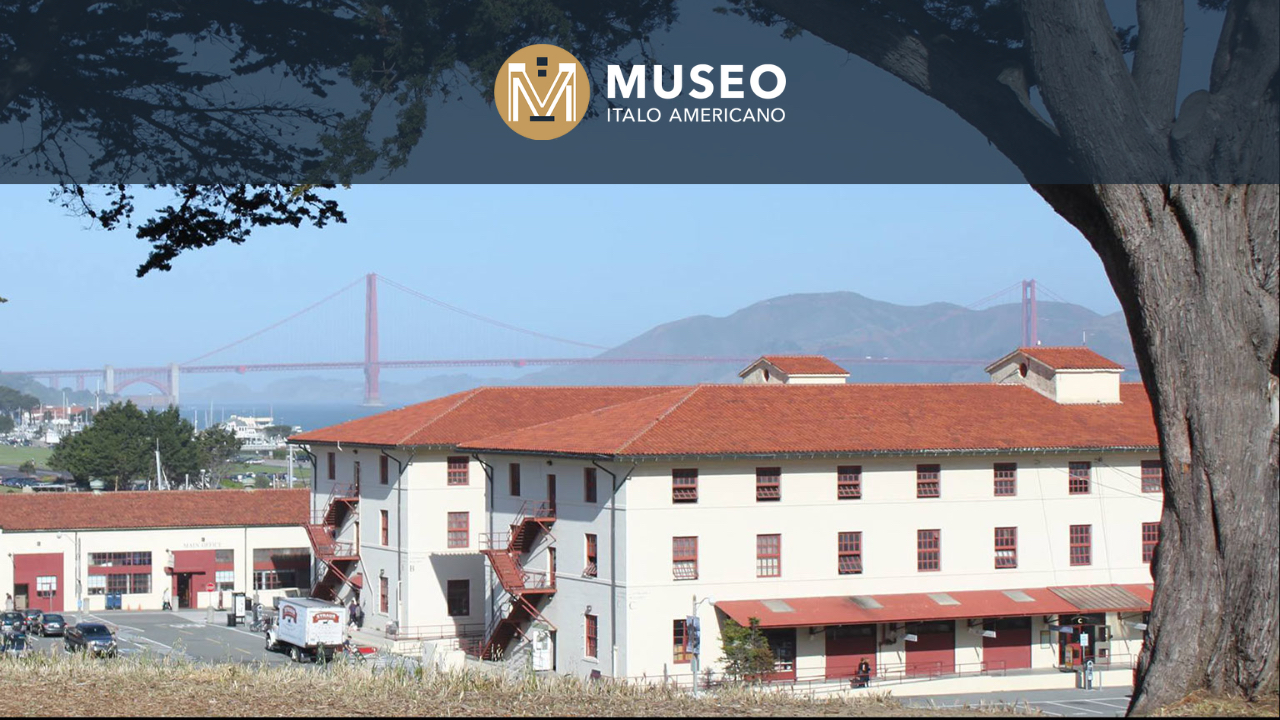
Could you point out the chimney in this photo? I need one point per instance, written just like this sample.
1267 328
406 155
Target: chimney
1066 375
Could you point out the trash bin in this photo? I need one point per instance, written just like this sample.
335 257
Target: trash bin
231 618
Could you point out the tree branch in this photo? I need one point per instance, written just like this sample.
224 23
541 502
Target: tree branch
1157 61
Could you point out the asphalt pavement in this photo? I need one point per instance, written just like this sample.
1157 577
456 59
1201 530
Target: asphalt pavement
1105 702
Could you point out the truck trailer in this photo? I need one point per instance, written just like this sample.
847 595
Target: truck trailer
307 629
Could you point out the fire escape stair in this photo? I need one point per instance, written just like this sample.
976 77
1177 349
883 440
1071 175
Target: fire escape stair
339 559
505 561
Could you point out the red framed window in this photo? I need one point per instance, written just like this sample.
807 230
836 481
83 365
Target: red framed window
928 481
928 550
384 470
1081 544
684 486
333 466
1006 547
384 595
768 556
589 485
590 569
513 479
768 484
1150 538
684 558
1152 476
458 467
1079 477
849 553
592 629
1006 479
680 643
459 529
384 527
849 482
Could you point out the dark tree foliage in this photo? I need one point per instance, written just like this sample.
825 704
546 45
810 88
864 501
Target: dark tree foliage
120 446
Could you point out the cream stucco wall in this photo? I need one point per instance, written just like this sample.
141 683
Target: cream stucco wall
1074 387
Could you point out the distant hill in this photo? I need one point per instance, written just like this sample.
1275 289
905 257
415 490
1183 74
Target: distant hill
849 325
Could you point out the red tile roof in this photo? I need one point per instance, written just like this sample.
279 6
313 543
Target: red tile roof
1070 358
170 509
805 364
453 419
906 607
857 418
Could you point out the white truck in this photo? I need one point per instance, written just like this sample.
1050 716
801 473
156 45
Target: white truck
307 629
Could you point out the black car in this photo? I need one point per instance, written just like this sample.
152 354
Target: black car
51 624
13 621
90 637
15 644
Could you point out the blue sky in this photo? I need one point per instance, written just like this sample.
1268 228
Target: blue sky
599 264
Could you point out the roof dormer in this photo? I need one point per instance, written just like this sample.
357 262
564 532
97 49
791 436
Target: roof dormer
1068 375
794 370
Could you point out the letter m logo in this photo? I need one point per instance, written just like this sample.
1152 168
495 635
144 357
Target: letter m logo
541 108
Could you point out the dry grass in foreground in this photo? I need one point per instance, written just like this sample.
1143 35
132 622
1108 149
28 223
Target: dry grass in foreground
80 686
1205 705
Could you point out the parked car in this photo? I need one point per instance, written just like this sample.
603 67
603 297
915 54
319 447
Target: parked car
51 624
90 637
13 621
31 617
15 645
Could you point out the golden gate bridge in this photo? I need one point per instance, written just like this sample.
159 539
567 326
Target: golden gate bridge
166 378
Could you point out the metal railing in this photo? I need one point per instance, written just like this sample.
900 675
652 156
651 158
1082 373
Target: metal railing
437 632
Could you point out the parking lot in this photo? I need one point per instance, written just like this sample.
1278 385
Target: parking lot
1105 702
183 634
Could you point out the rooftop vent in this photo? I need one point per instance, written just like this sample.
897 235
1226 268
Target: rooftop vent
794 370
778 606
1067 375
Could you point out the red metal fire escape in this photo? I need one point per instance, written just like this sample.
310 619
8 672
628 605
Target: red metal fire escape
525 587
340 559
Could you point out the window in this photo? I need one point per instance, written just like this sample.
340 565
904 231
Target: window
1150 537
384 595
114 559
1006 481
97 584
1152 476
589 485
1078 476
1006 547
849 550
684 558
680 643
928 550
592 624
590 569
225 579
384 470
458 593
275 579
1081 544
458 470
684 486
768 484
139 583
117 584
46 586
224 557
928 481
513 479
355 473
384 527
333 466
849 482
768 556
459 529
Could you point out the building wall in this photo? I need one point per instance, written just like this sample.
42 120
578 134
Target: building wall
76 546
1087 386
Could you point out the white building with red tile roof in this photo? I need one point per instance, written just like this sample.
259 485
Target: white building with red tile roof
932 529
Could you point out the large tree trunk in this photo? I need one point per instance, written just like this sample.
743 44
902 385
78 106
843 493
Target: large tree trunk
1195 267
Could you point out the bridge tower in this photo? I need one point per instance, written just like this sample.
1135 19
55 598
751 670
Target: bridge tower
372 394
1030 316
173 383
109 380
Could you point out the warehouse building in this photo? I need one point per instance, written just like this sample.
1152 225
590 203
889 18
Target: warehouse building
929 529
140 550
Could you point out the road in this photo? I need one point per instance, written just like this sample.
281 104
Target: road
1106 702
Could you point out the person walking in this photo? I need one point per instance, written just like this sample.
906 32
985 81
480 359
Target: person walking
8 602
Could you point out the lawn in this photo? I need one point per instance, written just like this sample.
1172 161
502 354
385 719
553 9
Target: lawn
15 456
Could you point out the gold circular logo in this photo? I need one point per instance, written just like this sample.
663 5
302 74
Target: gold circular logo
542 92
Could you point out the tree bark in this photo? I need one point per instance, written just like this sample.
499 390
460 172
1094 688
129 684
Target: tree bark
1195 268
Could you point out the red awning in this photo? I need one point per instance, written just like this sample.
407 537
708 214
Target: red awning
907 607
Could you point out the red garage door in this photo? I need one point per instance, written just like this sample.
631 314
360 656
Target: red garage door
38 578
847 645
1010 649
934 650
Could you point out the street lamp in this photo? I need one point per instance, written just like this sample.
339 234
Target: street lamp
693 637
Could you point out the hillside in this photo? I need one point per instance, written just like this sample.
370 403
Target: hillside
849 325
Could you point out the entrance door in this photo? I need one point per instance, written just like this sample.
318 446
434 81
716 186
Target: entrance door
551 492
21 597
847 645
551 566
1081 645
182 590
934 649
782 643
1010 649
